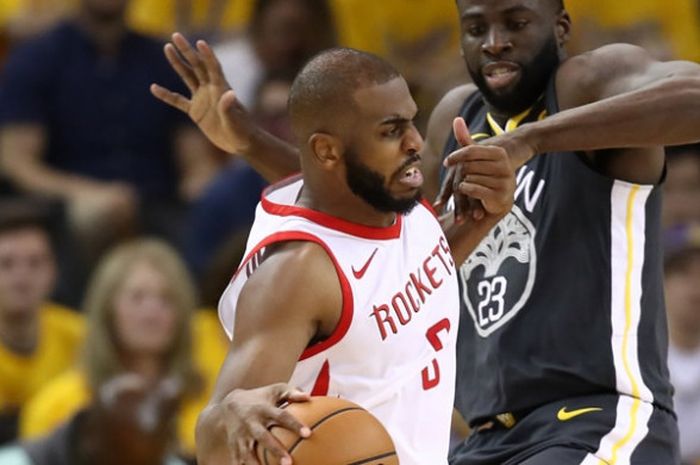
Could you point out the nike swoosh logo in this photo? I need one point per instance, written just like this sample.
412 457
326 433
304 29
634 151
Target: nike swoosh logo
566 415
361 272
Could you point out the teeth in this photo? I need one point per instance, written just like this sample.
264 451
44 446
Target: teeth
500 71
410 172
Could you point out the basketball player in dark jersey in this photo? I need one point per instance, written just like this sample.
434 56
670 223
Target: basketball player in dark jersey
562 344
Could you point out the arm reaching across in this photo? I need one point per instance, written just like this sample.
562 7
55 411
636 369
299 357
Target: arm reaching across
213 106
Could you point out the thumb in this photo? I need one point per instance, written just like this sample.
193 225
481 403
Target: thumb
227 100
459 126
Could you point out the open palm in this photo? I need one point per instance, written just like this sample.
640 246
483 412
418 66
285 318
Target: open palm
212 105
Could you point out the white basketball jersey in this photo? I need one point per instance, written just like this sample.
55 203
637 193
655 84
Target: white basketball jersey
393 351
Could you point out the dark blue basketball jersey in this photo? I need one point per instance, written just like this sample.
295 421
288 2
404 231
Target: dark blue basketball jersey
564 297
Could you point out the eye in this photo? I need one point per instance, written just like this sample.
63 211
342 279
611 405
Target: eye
517 25
475 30
394 131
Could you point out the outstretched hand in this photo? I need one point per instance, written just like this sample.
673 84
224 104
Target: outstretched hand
212 105
245 416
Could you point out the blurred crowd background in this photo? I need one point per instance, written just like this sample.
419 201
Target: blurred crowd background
120 224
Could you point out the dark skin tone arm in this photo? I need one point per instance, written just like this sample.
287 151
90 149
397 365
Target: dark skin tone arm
305 306
620 107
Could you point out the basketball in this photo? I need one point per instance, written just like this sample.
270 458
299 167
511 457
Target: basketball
342 433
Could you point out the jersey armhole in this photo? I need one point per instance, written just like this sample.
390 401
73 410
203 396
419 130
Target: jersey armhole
347 298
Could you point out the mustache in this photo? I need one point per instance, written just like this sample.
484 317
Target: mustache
412 158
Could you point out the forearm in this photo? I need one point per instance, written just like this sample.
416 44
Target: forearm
46 181
664 113
464 238
273 158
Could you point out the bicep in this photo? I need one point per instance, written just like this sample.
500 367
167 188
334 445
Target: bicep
613 70
279 312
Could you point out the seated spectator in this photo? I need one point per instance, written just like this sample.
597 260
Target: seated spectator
38 339
227 206
128 422
139 309
682 287
77 124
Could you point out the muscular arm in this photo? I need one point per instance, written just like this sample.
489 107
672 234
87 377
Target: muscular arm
618 97
293 297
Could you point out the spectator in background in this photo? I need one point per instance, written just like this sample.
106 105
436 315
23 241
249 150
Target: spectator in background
682 187
682 286
228 204
282 36
129 422
77 124
139 307
38 339
667 28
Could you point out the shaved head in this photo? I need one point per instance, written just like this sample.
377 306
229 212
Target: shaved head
321 97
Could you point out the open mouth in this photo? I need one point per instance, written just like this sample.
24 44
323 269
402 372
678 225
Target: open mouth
500 74
412 177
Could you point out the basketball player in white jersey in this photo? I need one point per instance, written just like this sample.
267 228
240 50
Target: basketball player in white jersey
348 287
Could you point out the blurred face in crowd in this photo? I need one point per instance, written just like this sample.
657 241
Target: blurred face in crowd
682 190
286 35
145 315
105 9
27 272
682 287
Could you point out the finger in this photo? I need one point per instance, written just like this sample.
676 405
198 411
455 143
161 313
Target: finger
485 194
296 395
461 203
212 64
183 69
459 126
185 48
485 167
248 453
285 419
171 98
446 190
492 182
267 440
475 153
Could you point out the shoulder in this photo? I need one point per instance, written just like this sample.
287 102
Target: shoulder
611 70
62 320
293 267
448 107
54 404
438 131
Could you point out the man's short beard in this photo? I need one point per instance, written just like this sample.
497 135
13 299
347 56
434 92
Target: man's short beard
369 186
533 81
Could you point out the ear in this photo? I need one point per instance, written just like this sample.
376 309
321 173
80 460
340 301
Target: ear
325 149
563 28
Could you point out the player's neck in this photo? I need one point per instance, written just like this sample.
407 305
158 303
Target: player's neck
19 335
343 204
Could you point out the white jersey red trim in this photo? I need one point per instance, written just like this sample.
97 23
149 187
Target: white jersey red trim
393 350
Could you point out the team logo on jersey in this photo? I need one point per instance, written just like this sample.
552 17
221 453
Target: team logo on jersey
498 277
